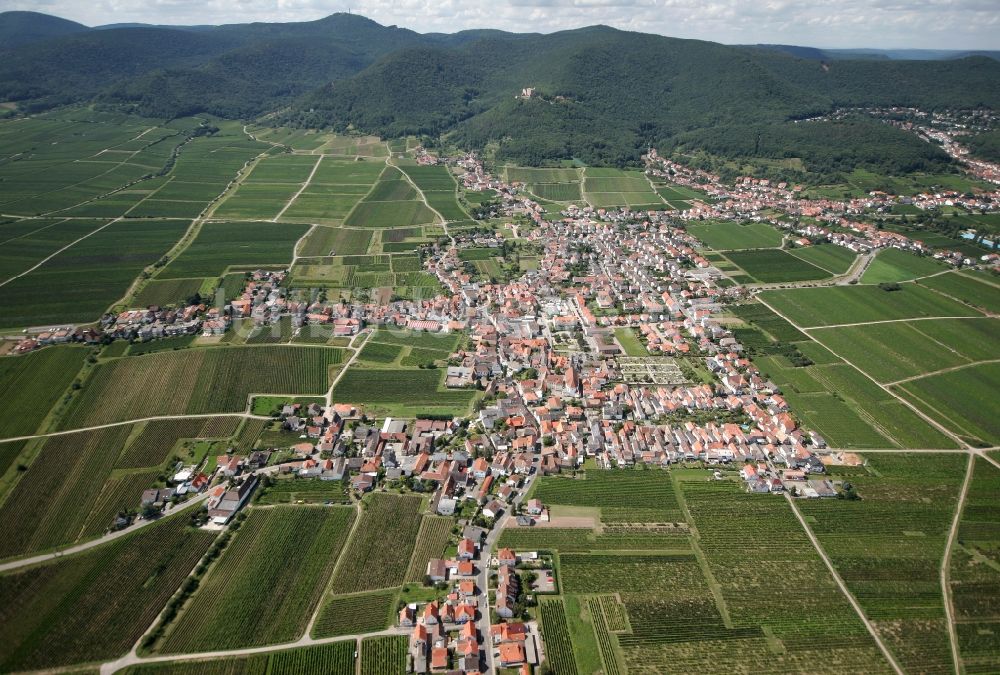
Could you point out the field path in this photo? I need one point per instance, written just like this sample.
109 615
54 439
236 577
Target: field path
291 200
347 364
843 587
943 370
420 192
921 414
100 541
53 255
949 611
244 414
872 323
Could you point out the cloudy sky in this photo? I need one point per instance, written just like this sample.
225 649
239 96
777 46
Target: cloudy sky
929 24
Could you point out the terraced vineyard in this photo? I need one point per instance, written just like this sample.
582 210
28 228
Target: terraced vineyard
269 579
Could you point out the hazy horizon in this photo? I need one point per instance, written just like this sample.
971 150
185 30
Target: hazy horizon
846 24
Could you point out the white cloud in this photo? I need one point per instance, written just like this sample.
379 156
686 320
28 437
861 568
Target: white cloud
941 24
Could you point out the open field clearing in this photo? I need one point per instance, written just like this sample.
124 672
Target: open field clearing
898 350
267 582
727 236
816 626
975 572
80 283
888 546
835 305
964 401
893 264
830 257
651 497
379 553
243 245
96 604
630 342
198 381
977 291
774 266
33 383
359 613
331 659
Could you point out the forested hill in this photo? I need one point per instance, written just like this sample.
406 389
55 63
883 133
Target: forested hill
605 95
602 95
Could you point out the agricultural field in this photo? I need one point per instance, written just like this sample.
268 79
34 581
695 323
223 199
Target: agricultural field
32 384
834 305
166 292
727 236
432 540
336 658
898 350
641 537
379 552
758 534
401 391
848 409
775 266
440 189
245 245
328 241
761 316
359 613
964 401
555 632
303 491
95 605
974 572
380 655
888 546
622 496
830 257
268 581
193 381
977 291
392 202
614 187
892 264
81 282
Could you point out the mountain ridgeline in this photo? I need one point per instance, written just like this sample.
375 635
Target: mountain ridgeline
601 95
